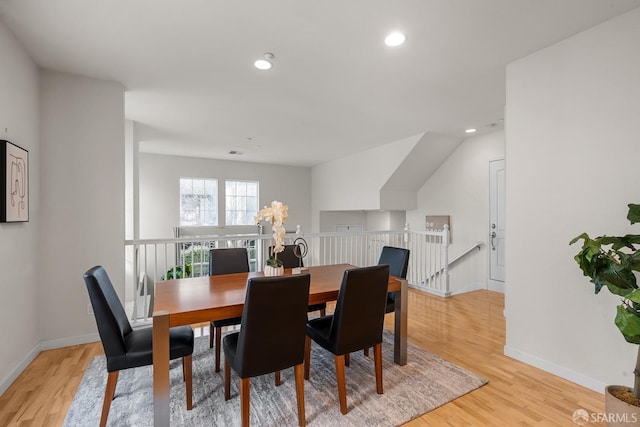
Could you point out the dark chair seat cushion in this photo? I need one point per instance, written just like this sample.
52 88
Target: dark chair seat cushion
391 302
230 345
226 322
139 345
319 329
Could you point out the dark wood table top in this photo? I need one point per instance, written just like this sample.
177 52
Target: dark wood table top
201 299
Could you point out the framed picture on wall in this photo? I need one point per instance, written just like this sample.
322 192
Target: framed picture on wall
14 176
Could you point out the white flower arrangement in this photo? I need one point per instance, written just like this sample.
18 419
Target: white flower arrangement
276 214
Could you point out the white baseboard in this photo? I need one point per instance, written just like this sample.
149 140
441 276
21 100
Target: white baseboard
45 345
469 288
560 371
68 341
494 285
6 382
431 291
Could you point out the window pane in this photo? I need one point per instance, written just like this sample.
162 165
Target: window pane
241 188
252 189
252 204
198 201
198 186
186 185
241 202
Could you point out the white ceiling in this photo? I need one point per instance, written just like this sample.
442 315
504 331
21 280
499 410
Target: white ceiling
335 88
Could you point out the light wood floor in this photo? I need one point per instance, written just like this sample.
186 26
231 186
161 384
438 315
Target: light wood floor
467 329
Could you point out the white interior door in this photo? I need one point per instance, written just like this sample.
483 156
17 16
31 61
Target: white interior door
497 220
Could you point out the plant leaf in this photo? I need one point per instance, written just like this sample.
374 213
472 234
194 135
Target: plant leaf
617 242
587 256
634 213
628 322
634 296
617 278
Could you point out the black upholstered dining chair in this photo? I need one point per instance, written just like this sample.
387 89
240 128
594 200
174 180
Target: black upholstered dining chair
290 260
272 336
356 323
124 347
398 261
225 261
288 256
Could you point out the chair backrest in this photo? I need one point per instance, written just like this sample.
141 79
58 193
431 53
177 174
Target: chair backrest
288 257
358 318
273 330
397 259
112 321
228 261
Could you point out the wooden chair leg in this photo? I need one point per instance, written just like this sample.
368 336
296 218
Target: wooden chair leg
299 369
277 378
218 338
186 367
227 380
342 385
210 334
307 357
366 352
377 360
109 391
347 359
323 312
245 394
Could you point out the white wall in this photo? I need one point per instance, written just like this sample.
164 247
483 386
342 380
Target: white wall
160 190
354 182
460 188
329 220
19 241
369 220
573 152
385 220
82 199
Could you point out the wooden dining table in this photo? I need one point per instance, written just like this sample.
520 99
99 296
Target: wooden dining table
202 299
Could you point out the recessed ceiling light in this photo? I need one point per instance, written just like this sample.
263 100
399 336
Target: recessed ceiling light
395 39
471 130
265 64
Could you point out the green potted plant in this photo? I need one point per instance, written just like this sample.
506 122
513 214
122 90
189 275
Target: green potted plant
612 262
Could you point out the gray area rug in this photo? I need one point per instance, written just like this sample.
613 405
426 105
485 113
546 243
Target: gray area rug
425 383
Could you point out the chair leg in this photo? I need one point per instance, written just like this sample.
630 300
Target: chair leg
342 385
307 357
210 334
366 352
323 312
377 360
299 369
347 359
186 367
245 394
227 380
277 378
218 333
112 380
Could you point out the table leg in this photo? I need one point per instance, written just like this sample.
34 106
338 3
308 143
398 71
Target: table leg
400 332
161 368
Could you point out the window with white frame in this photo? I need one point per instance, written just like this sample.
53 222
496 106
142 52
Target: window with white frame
198 201
241 205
